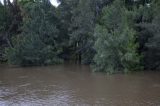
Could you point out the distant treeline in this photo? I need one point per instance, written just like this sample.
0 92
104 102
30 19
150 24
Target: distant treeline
110 35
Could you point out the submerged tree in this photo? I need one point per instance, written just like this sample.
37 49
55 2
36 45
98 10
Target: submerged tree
81 30
115 40
38 44
152 56
10 21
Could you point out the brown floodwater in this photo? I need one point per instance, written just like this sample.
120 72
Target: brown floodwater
76 85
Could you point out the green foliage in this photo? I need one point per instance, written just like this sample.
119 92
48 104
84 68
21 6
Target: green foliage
4 24
152 56
3 14
38 43
81 30
147 27
122 34
115 41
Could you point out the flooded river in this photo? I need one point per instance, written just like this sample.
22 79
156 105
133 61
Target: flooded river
76 85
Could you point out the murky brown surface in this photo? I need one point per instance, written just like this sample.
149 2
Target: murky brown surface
75 85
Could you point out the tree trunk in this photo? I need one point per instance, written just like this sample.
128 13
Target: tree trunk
8 39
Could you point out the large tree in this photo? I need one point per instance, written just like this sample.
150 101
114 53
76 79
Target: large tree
10 21
152 56
39 42
81 29
115 40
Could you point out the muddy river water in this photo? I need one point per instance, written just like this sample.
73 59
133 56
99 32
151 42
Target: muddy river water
76 85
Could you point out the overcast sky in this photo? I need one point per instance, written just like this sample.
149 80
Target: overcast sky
54 2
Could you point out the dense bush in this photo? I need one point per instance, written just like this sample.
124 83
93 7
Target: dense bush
116 40
113 35
38 42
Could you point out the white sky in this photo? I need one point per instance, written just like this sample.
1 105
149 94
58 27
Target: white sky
53 2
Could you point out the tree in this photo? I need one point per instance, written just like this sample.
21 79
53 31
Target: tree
115 40
81 30
10 21
3 17
64 14
77 22
152 56
38 44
